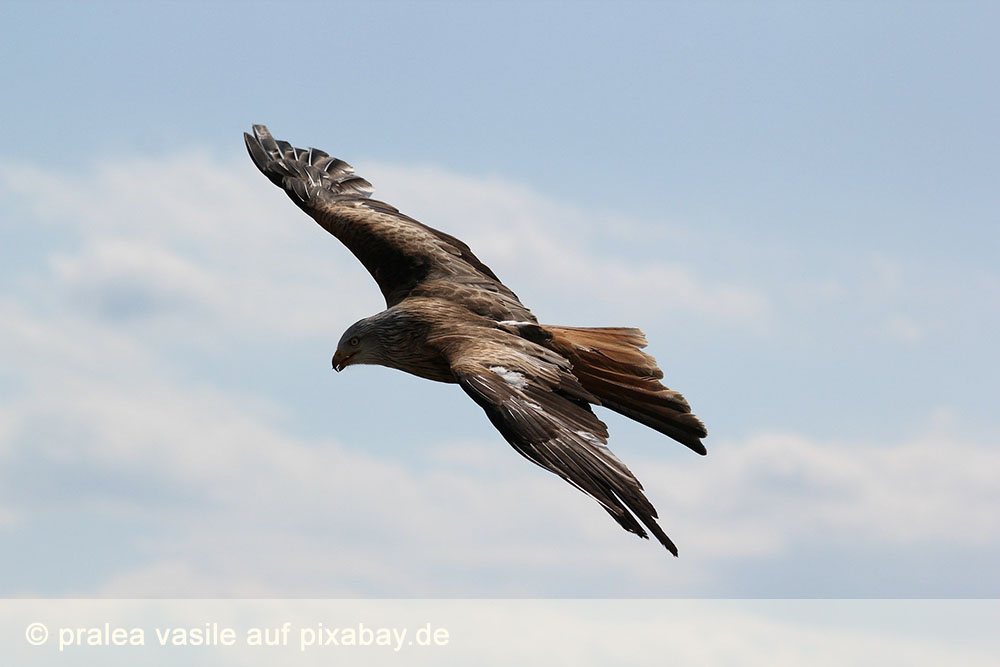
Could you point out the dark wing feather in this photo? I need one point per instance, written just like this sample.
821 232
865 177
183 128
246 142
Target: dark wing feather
531 396
406 257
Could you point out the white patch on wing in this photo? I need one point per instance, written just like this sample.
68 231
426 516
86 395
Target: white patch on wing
513 378
590 438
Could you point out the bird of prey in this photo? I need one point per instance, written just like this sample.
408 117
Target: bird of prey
449 318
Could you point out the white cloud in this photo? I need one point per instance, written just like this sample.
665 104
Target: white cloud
189 231
558 249
242 504
121 277
211 241
272 513
787 490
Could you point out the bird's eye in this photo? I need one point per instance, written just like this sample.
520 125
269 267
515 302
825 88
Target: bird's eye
354 341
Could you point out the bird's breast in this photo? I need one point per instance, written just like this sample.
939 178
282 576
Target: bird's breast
423 361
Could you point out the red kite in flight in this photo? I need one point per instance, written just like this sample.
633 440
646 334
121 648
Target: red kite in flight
449 318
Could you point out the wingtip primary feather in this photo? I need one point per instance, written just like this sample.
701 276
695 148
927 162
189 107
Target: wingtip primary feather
261 131
304 173
257 153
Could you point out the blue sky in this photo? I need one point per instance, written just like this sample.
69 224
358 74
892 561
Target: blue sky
798 204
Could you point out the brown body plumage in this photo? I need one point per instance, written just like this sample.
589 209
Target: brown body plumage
450 319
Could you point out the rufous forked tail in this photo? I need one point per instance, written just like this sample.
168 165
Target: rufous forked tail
610 364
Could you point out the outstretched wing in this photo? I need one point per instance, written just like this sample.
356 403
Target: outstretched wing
532 397
406 257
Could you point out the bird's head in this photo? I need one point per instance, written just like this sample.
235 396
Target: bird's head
390 338
360 344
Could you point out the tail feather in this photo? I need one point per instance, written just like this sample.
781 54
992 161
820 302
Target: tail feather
610 364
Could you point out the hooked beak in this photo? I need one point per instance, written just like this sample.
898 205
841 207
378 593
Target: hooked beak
340 360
